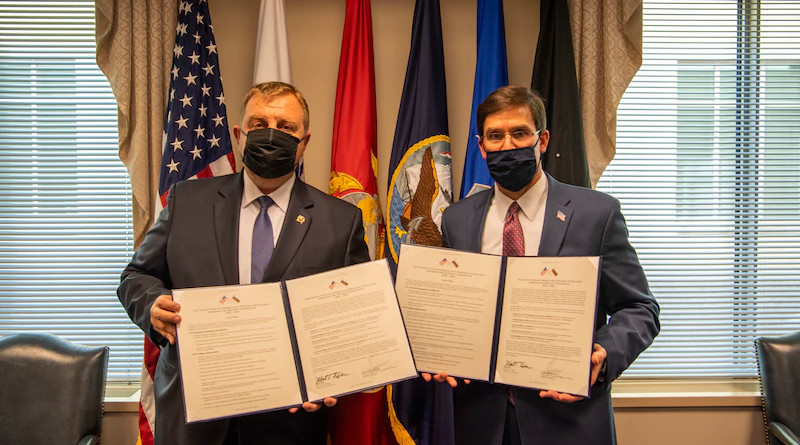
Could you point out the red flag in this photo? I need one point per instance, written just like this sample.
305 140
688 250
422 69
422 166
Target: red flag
362 418
354 161
196 144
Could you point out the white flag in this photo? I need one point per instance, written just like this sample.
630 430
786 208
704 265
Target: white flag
272 46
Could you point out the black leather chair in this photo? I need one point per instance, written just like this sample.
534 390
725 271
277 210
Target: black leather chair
51 390
779 374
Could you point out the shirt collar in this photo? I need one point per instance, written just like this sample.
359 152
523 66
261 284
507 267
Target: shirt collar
280 196
529 202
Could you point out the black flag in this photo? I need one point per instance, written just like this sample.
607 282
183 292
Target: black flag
555 79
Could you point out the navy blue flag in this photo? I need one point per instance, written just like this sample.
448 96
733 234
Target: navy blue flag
420 188
420 183
491 73
197 143
554 77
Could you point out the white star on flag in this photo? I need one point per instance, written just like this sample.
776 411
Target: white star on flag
186 100
190 79
182 122
200 131
196 152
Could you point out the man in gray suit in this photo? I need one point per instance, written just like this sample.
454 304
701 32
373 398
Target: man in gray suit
213 232
529 213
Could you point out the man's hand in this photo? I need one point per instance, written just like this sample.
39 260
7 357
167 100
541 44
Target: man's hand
311 407
164 317
442 377
599 355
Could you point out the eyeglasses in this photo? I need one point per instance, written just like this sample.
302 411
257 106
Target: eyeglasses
520 138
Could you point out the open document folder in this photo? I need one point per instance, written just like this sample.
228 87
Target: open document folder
521 321
252 348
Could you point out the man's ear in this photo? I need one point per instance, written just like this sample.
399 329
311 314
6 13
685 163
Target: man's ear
544 139
237 132
301 147
480 146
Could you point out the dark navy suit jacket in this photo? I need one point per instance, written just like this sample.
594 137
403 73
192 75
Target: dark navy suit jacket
626 322
195 243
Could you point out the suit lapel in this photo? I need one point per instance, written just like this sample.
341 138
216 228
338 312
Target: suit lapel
226 227
295 226
476 225
557 217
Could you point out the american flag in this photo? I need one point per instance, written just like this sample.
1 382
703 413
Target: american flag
197 143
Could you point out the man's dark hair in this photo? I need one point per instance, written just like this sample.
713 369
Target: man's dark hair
508 96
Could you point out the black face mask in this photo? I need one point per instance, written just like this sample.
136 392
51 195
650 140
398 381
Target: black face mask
513 169
270 153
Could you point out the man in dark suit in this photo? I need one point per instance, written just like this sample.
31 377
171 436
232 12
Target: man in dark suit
207 235
527 212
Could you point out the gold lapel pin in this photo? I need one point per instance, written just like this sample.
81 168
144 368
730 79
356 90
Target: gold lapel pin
301 219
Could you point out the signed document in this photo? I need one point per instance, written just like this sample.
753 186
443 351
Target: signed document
521 321
547 327
262 347
349 330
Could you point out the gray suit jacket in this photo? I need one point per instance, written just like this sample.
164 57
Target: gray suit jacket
194 243
626 321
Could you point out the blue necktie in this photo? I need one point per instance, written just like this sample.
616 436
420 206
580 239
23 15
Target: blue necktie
262 242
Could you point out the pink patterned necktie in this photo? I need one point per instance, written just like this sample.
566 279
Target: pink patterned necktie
513 239
513 245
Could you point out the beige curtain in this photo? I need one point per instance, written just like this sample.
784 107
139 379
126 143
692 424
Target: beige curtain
607 36
135 39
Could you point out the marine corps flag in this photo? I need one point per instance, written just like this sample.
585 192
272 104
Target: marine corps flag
420 185
354 161
420 188
555 79
361 418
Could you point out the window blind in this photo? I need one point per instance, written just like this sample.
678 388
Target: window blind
708 154
65 216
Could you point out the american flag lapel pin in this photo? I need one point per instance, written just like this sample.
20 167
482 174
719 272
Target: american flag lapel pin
301 219
560 215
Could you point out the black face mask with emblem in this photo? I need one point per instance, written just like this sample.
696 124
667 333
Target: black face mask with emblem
270 153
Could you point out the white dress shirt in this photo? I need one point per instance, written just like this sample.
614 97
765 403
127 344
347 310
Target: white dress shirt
247 218
532 206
